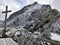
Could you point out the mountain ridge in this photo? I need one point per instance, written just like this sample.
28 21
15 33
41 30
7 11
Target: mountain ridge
22 10
28 9
33 16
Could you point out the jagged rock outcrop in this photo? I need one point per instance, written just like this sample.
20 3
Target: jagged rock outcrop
23 16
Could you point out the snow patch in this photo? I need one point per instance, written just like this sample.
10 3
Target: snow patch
55 36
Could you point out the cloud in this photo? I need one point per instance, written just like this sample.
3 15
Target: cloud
40 1
12 5
56 4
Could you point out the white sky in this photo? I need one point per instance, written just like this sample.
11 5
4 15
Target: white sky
16 5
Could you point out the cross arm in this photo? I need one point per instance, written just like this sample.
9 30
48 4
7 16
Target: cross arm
6 11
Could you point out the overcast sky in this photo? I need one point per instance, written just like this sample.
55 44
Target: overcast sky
16 5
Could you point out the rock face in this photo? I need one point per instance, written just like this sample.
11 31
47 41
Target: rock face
28 15
34 17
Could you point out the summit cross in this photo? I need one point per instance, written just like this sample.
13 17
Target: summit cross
7 11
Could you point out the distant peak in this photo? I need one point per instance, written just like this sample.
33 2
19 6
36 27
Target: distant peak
35 2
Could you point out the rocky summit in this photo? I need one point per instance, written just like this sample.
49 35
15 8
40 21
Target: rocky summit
35 16
28 15
34 22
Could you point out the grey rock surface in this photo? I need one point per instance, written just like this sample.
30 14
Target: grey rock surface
7 41
33 22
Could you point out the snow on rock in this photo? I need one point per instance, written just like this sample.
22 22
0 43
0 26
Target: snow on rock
7 41
55 36
37 33
26 33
